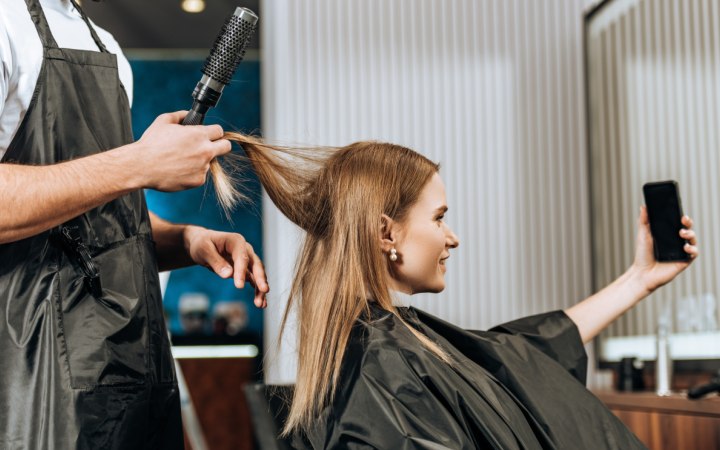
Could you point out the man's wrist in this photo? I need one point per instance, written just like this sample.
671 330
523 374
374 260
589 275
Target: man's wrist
189 233
125 161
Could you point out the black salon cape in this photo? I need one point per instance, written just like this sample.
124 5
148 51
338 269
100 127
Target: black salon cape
518 386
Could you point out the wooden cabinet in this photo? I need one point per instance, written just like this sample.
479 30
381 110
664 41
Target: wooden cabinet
215 387
668 423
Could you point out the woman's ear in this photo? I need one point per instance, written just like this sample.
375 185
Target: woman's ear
388 232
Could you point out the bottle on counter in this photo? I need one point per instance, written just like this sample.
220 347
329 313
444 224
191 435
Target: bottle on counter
663 362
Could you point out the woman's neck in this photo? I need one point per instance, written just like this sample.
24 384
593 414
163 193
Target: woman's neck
400 299
395 285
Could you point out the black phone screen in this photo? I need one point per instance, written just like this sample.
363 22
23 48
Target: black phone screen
665 214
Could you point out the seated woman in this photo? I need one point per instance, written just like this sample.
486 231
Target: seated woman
374 372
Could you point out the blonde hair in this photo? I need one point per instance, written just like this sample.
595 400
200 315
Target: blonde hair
338 196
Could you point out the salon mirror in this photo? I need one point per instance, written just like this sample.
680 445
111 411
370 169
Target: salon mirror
653 89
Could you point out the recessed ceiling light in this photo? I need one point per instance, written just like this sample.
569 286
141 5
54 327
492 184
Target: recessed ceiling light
193 6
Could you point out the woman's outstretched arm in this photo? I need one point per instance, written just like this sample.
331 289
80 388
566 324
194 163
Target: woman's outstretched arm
595 313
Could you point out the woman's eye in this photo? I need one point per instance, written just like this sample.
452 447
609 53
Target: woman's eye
440 218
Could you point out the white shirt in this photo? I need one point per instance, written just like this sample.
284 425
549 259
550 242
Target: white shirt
21 56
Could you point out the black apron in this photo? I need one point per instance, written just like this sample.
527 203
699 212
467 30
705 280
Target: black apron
84 351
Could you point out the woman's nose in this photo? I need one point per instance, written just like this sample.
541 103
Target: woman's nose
452 240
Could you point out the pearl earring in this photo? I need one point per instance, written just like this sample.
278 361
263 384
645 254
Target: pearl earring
393 254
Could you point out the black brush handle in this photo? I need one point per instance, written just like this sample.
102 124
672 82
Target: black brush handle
193 118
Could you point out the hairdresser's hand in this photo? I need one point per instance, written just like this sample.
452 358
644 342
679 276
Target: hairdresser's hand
228 254
652 273
173 157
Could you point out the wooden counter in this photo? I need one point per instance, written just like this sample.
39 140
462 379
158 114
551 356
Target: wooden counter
668 423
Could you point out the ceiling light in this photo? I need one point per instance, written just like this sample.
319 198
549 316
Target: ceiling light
193 6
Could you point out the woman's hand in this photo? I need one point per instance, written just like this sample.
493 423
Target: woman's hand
653 274
596 312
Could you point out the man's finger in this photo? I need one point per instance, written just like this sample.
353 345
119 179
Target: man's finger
172 117
258 271
240 258
214 132
217 263
222 147
260 300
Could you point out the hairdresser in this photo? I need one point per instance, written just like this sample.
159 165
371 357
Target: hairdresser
86 361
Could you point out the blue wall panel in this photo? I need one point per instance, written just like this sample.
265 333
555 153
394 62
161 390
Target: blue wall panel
164 86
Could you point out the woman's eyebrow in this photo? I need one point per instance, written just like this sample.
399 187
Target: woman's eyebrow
442 210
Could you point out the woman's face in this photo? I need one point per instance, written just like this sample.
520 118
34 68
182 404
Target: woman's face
423 242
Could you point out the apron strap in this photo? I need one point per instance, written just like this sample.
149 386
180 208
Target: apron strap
95 37
48 41
38 18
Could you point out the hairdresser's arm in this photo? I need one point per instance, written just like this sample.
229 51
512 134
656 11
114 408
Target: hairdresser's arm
168 157
226 254
598 311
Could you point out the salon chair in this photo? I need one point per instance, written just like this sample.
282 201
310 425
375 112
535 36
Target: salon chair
268 411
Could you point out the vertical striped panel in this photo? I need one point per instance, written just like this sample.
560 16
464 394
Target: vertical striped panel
492 89
654 67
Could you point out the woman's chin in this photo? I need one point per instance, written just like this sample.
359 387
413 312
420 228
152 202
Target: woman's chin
438 287
435 288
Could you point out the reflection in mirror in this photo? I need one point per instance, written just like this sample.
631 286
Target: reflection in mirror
653 81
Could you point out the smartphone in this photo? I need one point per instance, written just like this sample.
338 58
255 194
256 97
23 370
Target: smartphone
664 209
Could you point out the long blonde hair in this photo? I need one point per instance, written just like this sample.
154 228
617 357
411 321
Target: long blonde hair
338 196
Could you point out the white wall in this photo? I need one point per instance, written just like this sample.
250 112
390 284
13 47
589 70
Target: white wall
655 67
493 89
